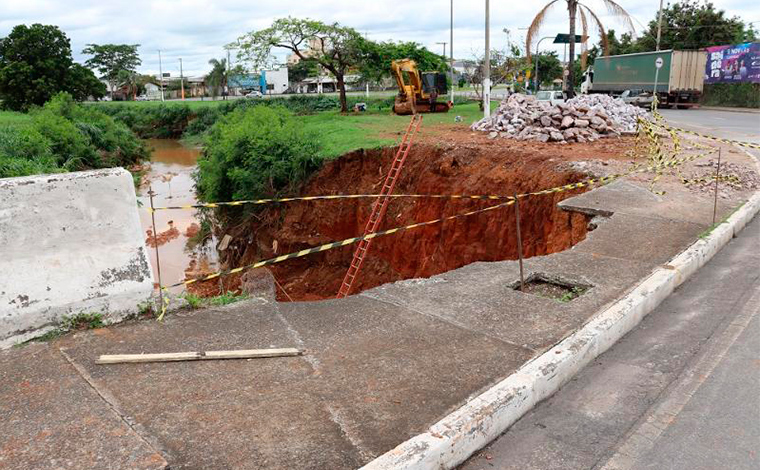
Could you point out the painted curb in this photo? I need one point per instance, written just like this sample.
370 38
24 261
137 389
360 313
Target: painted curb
456 437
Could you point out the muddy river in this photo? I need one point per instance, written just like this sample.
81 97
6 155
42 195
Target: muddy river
170 177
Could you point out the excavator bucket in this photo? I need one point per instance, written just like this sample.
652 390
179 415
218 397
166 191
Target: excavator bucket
404 107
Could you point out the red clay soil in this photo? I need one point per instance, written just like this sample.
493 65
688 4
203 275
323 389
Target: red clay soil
488 167
162 237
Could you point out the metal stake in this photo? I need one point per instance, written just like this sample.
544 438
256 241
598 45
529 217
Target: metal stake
155 244
717 178
519 243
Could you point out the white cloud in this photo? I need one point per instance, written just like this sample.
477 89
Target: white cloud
197 30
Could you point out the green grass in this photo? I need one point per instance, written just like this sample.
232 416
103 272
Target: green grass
226 299
12 118
344 133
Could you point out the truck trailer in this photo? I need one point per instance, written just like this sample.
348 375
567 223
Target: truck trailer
679 81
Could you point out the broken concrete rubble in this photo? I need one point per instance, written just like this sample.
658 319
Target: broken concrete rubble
584 118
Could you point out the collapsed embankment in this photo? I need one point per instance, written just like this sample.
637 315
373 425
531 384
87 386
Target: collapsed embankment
429 169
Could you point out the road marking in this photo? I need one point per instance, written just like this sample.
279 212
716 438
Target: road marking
643 438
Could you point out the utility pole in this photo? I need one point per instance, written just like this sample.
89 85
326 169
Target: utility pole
181 79
161 72
451 50
444 47
487 65
659 27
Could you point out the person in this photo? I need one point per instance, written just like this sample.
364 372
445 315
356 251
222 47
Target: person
433 99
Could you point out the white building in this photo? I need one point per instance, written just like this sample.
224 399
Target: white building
277 80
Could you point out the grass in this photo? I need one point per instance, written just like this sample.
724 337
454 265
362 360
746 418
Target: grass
711 228
226 299
344 133
80 321
12 118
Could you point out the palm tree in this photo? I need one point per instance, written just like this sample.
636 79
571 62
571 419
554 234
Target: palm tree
218 75
576 8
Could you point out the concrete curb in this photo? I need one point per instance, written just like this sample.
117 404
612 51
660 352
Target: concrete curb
453 439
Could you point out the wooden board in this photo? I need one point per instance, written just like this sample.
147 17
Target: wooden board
197 356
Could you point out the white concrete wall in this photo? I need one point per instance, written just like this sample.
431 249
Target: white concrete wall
70 243
278 78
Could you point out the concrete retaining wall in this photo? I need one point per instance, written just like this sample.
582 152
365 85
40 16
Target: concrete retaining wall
71 243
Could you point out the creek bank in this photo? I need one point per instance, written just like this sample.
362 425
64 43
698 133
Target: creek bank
419 253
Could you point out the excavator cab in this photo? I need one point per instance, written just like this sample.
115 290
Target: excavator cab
419 92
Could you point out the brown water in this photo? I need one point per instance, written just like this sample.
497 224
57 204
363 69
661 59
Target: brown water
170 177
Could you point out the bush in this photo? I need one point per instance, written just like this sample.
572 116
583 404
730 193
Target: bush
744 95
253 153
65 136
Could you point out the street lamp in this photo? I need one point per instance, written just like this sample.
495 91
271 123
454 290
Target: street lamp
451 50
487 66
444 47
537 45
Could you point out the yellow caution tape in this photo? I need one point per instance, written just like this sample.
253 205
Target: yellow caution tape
711 137
511 200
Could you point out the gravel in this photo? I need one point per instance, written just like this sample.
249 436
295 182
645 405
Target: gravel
584 118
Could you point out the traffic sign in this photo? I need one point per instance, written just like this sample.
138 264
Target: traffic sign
658 63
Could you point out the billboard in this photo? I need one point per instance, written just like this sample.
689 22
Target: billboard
739 63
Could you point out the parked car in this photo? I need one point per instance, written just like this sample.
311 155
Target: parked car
637 98
142 98
254 94
553 97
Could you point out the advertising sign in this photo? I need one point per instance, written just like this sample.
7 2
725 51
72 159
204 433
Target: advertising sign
739 63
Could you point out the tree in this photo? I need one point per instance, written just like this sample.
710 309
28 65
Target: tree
218 76
111 59
34 62
376 58
81 83
690 24
302 70
576 8
334 47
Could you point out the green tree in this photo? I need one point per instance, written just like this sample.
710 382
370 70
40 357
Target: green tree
549 67
334 47
690 24
376 58
34 62
575 9
81 83
302 69
217 78
112 59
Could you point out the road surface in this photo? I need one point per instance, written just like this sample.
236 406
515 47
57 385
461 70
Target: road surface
679 392
727 124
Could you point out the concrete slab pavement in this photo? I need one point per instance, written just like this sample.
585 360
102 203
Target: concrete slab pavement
379 367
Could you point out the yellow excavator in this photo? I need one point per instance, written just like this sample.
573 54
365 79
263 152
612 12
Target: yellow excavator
419 92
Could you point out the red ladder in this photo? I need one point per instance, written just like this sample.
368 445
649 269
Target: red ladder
380 205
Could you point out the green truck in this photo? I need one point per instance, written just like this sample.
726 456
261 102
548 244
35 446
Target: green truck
679 81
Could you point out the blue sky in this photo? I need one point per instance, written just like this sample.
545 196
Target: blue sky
197 30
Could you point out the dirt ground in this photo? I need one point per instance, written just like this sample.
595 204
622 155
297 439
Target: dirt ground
443 160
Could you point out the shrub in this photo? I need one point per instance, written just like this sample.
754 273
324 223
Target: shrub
253 153
745 95
66 136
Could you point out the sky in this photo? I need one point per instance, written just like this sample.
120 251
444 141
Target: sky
197 30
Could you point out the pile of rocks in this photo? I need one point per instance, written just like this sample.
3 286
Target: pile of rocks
584 118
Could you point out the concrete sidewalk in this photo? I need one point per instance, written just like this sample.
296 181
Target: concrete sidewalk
679 392
380 367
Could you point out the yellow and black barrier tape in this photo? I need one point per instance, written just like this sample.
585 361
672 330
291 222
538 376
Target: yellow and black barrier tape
489 197
710 137
510 200
341 243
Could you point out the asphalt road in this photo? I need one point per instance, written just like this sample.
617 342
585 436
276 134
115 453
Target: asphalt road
727 124
678 392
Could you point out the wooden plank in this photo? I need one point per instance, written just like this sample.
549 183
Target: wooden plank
252 353
197 356
138 358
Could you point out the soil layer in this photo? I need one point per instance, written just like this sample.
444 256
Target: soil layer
452 168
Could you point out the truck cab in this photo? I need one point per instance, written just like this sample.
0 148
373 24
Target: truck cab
588 81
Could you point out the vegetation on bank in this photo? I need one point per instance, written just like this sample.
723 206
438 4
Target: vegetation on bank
255 152
65 136
740 95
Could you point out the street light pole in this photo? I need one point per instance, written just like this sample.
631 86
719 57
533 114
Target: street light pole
181 79
161 72
535 79
487 65
444 47
451 50
659 27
